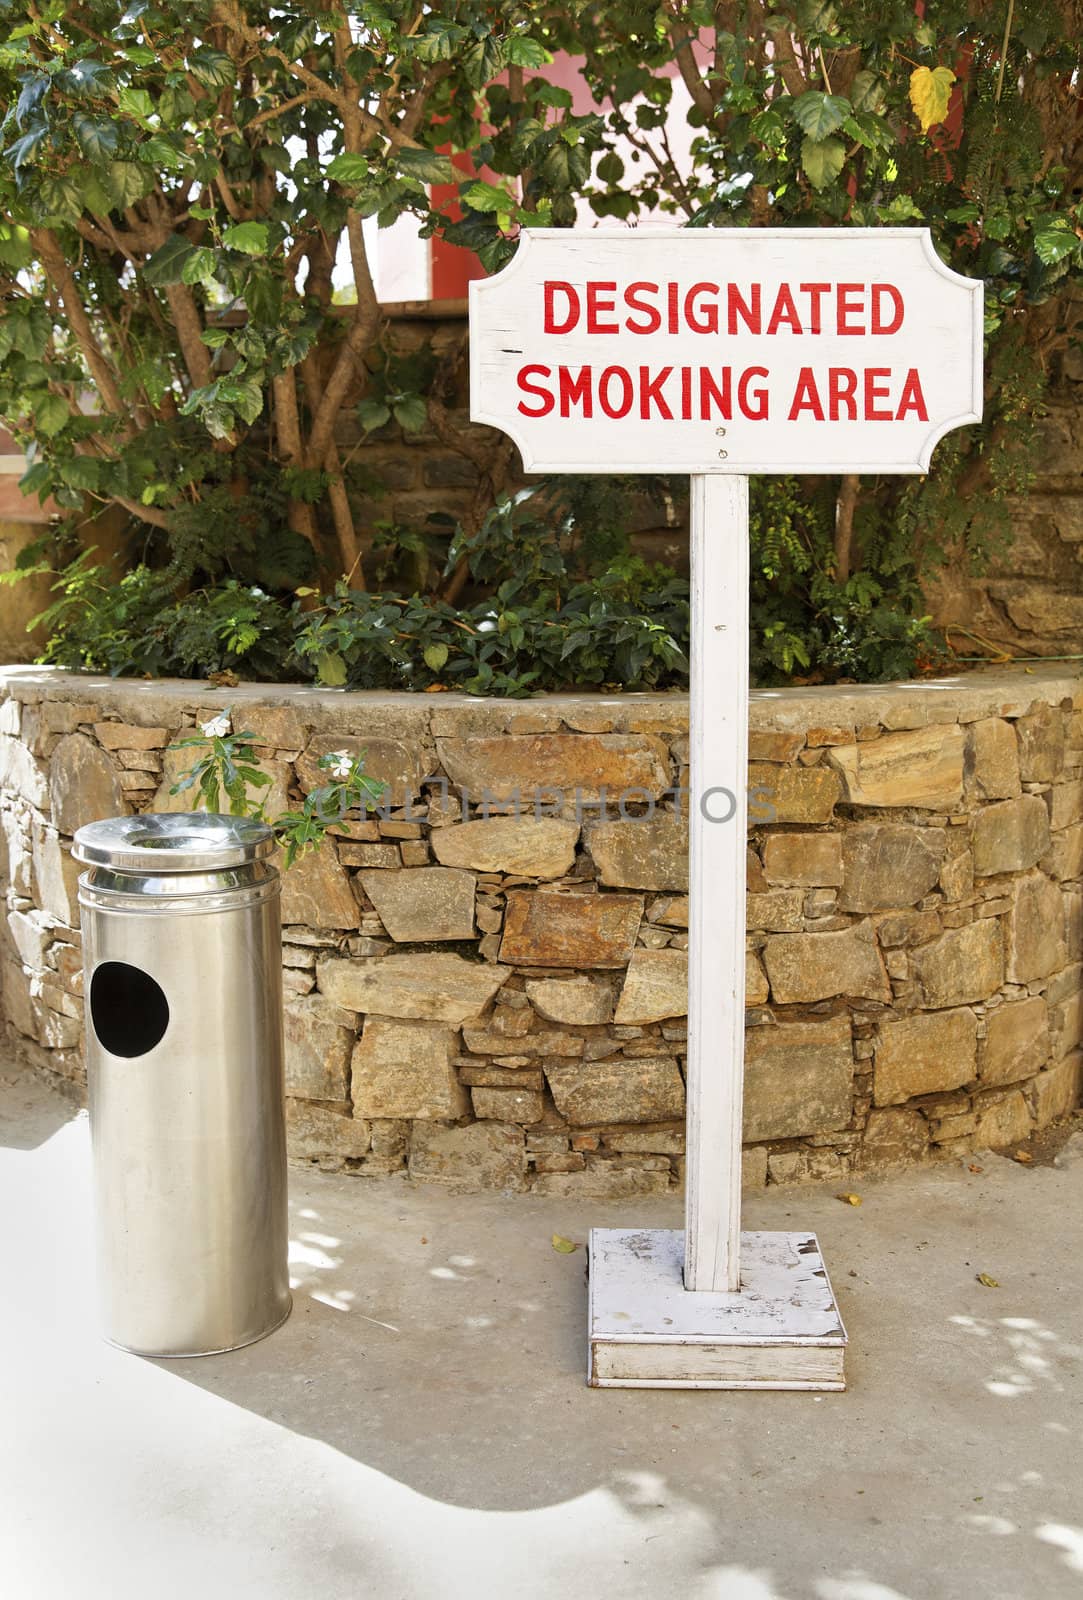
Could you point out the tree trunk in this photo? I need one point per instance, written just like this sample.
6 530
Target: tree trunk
844 526
288 434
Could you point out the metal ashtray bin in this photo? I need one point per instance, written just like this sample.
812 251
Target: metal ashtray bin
183 977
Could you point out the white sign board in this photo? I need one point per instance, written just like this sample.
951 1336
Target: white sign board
740 350
721 351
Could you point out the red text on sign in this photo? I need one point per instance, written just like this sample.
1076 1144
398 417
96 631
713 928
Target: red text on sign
602 307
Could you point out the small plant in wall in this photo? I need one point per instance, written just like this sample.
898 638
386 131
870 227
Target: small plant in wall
228 768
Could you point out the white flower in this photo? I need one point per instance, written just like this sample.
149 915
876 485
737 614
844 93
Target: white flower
340 763
257 593
217 727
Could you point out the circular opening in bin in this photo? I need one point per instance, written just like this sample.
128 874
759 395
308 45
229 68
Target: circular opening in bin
128 1009
170 841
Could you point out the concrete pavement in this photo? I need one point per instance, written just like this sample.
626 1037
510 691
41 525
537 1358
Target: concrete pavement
421 1427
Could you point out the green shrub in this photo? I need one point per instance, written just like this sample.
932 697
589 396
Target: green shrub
561 612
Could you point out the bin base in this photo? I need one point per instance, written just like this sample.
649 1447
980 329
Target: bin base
781 1330
187 1355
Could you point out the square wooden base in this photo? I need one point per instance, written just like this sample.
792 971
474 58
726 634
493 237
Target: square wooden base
647 1331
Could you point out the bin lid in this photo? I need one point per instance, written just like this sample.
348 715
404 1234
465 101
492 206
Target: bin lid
190 841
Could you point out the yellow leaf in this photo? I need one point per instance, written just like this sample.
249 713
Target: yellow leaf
990 1283
1024 1156
849 1199
565 1246
930 93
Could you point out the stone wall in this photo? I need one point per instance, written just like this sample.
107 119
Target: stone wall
498 1001
1028 600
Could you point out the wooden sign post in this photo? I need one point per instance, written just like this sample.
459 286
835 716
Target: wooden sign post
721 353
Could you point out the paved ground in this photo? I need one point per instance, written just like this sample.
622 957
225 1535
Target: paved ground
420 1428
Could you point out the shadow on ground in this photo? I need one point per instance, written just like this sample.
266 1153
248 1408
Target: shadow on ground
29 1114
421 1426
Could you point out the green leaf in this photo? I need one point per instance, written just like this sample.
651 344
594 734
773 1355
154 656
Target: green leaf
175 104
83 472
439 42
97 138
212 68
263 296
37 479
331 669
23 149
1053 240
483 62
901 209
411 413
250 238
61 198
348 168
551 94
29 330
373 414
199 268
89 76
137 104
34 91
866 91
50 414
524 52
819 114
869 131
245 396
436 656
822 160
126 182
160 151
427 166
487 197
15 249
565 167
166 265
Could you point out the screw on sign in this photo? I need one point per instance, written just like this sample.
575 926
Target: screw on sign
721 353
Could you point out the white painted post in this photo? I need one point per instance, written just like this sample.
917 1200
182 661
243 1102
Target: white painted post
718 694
617 351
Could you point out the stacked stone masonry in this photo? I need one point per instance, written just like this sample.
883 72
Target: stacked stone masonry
487 999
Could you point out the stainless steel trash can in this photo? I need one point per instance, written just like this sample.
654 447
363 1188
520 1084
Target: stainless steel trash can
183 978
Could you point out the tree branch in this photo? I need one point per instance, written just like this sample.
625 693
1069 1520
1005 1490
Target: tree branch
352 352
782 50
189 326
288 431
278 111
151 514
229 199
349 546
844 526
64 279
681 40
